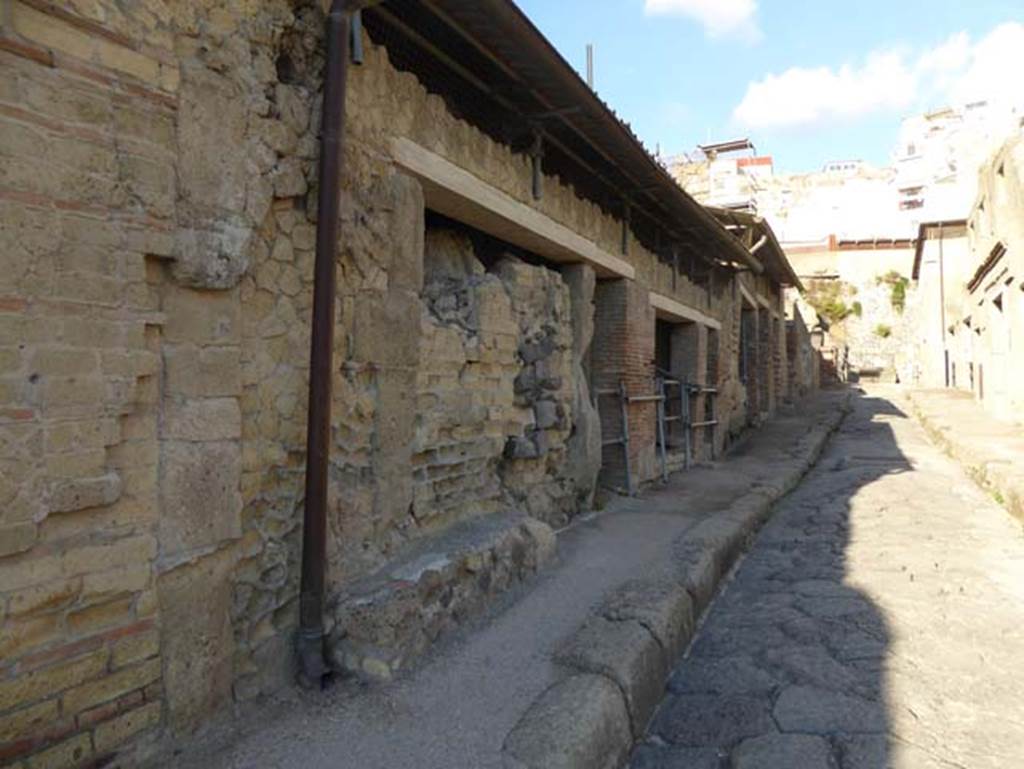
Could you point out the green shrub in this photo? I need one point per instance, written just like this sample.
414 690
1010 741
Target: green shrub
883 331
826 297
897 289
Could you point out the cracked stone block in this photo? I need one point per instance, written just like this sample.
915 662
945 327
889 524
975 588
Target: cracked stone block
664 608
673 757
82 493
697 572
821 711
542 442
520 447
625 652
199 492
796 751
725 676
525 381
813 665
716 641
698 720
536 350
579 723
545 414
864 751
17 538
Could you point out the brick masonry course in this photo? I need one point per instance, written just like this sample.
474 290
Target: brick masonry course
157 189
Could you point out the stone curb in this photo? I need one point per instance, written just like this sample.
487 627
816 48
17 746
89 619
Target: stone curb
993 477
619 660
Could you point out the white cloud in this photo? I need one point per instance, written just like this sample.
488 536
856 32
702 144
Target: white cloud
719 17
955 71
993 67
806 96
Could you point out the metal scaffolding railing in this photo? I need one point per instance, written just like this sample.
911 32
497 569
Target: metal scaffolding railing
666 390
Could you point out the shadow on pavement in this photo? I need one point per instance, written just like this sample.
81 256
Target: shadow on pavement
788 668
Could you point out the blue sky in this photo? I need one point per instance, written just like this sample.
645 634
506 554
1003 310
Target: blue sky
807 80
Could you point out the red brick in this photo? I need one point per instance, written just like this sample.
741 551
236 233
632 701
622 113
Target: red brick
154 691
108 710
27 51
28 198
78 647
47 735
87 25
17 415
13 304
26 116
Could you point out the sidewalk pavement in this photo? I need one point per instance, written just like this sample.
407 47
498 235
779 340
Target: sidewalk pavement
567 670
990 450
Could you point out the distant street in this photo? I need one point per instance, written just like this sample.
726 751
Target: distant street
876 623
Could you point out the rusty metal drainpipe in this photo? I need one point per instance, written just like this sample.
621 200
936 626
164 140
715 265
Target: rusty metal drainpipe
312 664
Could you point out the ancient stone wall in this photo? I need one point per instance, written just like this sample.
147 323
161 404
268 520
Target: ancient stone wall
867 298
157 191
623 364
803 359
495 388
138 163
993 307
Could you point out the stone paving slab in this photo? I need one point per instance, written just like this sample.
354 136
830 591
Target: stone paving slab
991 450
624 651
875 623
480 688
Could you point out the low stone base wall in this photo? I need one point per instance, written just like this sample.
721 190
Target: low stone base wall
383 623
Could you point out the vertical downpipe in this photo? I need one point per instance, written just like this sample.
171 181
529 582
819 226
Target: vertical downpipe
312 665
942 305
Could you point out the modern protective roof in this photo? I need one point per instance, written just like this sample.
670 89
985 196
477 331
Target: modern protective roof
497 71
733 145
751 229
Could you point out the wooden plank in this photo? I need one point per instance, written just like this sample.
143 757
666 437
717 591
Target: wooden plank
767 304
747 296
457 193
674 310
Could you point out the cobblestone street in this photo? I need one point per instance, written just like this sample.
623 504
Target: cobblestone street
875 623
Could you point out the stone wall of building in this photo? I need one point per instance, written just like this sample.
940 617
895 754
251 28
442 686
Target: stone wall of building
623 365
135 173
988 311
867 298
495 388
803 361
157 190
939 300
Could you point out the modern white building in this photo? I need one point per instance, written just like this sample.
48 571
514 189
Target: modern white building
939 154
